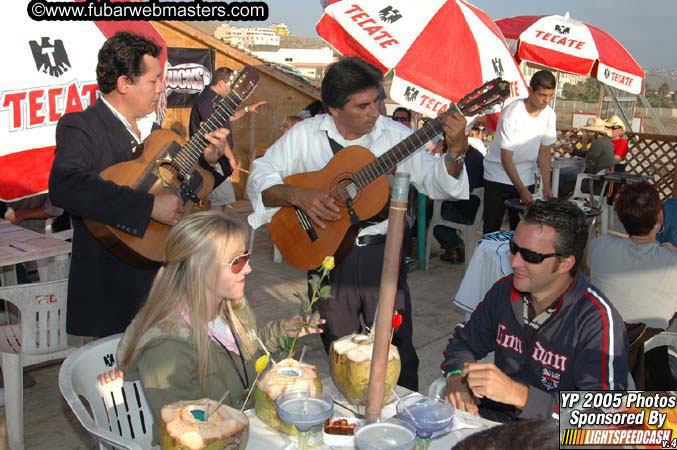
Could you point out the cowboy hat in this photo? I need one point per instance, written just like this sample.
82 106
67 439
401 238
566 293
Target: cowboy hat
614 121
598 125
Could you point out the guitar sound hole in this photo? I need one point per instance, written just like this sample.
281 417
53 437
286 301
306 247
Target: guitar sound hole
345 189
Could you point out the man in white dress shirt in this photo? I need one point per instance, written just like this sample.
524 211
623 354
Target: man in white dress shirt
350 93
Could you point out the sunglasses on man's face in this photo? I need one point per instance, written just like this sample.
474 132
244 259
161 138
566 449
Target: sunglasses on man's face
238 263
401 119
530 256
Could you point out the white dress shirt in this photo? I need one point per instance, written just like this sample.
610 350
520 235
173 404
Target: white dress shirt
305 148
144 124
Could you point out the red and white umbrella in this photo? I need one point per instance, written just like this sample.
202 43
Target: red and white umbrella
573 46
439 50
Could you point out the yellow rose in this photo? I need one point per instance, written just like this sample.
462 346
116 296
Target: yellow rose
328 263
261 363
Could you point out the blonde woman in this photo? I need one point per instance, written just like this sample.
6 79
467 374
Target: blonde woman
196 335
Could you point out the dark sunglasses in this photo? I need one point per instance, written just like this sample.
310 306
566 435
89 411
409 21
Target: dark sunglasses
530 256
401 119
238 263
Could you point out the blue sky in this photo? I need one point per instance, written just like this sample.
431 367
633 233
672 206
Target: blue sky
646 28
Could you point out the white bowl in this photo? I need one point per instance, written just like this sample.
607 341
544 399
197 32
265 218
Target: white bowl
341 440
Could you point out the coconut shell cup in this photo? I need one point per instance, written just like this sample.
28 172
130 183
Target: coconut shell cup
183 427
350 366
287 375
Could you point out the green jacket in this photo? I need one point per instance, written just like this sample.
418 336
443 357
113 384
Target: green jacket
165 362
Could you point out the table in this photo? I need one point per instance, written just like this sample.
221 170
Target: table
625 177
262 437
18 245
560 162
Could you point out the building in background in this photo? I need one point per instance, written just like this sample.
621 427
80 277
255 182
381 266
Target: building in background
247 37
310 62
280 28
528 70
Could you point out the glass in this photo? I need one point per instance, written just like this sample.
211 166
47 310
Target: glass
392 434
427 415
238 263
300 409
530 256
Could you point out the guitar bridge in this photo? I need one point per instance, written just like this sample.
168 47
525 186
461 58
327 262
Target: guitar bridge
188 192
307 226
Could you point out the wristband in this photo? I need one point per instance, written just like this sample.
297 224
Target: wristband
454 372
246 109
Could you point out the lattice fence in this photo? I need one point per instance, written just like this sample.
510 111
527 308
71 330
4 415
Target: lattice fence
654 155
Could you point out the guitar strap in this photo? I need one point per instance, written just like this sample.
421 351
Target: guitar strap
335 146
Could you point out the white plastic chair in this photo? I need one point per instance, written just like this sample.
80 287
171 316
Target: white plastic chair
39 336
120 416
277 256
597 201
469 231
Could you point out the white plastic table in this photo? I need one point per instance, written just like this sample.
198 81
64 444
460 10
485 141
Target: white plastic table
18 245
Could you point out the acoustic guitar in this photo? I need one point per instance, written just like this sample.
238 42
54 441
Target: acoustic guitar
166 163
356 179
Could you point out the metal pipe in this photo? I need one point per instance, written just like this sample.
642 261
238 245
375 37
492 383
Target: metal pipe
388 289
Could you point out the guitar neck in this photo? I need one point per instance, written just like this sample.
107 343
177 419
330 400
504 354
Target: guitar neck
224 107
384 163
490 93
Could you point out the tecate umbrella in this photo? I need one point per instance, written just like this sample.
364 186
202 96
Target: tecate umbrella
573 46
439 50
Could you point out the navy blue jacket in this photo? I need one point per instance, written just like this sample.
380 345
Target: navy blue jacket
582 346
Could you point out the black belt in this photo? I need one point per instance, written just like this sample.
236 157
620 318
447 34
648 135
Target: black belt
370 239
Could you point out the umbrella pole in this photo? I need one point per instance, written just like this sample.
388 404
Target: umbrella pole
388 289
554 97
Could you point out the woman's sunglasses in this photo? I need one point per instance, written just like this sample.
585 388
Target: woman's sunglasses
238 263
530 256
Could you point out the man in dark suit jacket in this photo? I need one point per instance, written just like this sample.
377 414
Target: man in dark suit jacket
104 292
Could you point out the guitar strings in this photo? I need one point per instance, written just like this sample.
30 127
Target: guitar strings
195 146
432 128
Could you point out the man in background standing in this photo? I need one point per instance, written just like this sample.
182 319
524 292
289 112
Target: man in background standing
202 110
525 131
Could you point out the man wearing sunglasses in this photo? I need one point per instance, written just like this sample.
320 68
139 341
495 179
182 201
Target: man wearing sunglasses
549 328
402 115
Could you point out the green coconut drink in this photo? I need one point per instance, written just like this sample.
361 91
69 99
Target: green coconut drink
351 363
286 375
185 426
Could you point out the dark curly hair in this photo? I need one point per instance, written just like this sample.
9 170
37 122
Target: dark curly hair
569 223
122 55
346 77
638 206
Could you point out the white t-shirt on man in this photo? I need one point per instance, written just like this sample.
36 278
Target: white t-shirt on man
523 135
